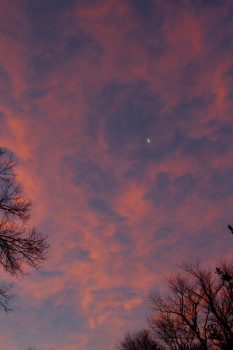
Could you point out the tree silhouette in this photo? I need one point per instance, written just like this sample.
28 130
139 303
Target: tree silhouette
198 309
141 340
19 246
196 314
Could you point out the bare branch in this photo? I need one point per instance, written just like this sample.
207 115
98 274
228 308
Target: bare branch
197 310
19 245
5 297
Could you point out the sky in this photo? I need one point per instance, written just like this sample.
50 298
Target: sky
119 114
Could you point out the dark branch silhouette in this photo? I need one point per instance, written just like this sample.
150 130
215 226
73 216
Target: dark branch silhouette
141 340
198 310
19 245
196 314
5 297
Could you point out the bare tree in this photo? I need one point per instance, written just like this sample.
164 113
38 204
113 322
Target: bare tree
198 309
19 245
141 340
217 301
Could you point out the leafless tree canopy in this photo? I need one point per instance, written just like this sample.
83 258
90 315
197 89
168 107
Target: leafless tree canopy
19 245
198 310
196 313
141 340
